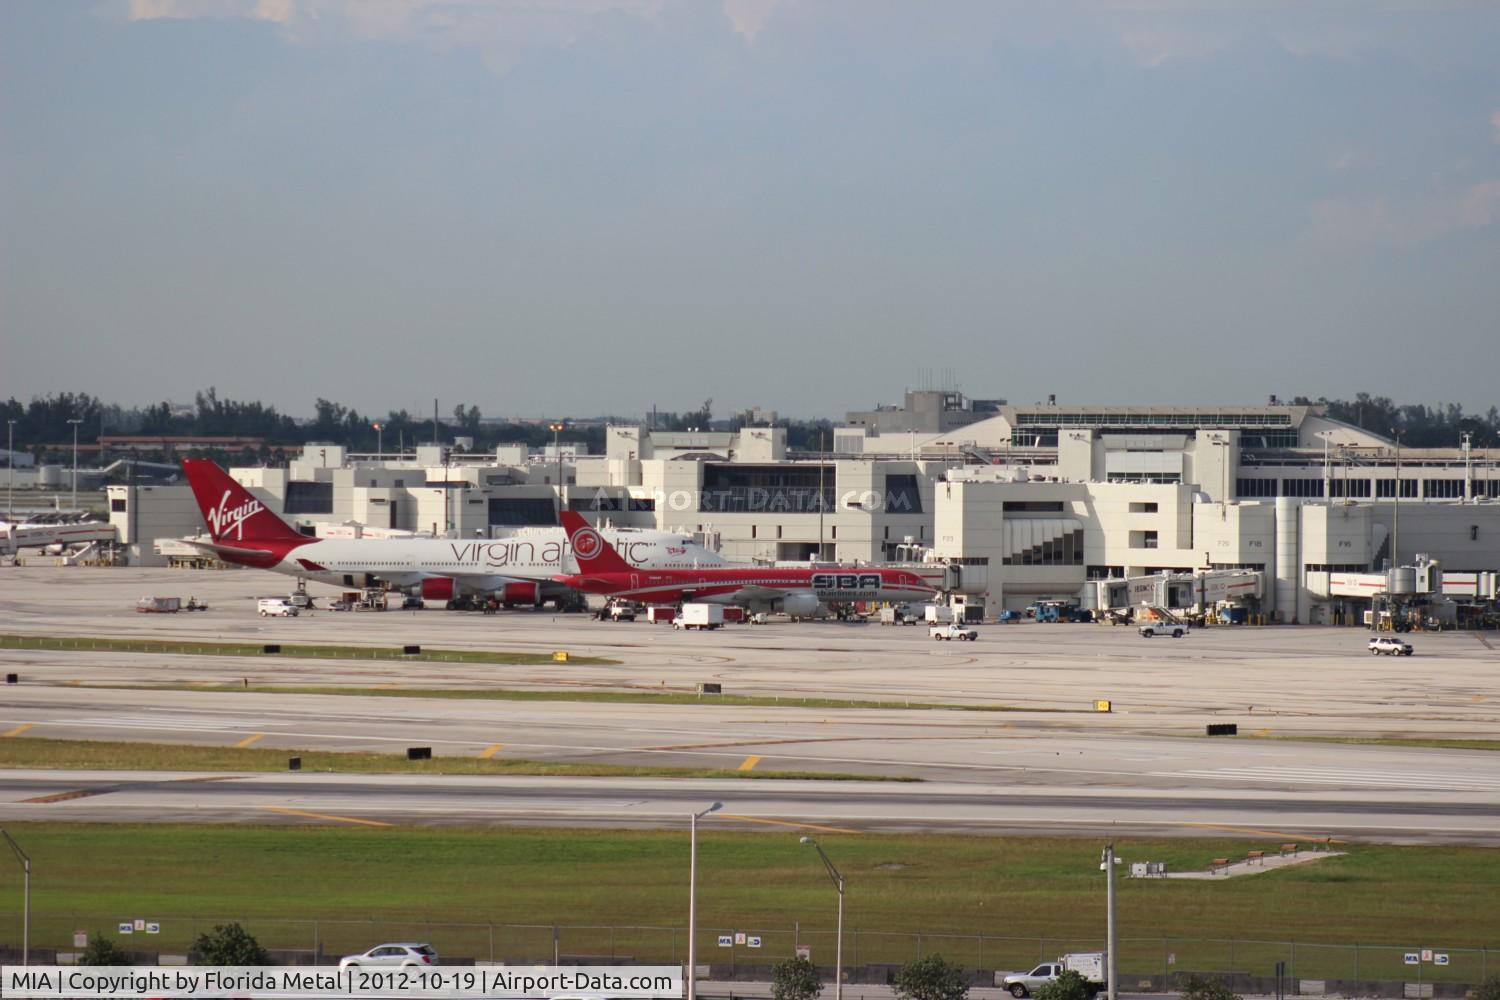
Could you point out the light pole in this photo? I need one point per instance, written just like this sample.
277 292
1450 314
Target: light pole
10 460
1107 861
75 422
25 860
822 462
838 947
692 973
557 455
379 441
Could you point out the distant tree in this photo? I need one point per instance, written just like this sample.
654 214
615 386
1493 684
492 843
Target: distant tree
229 944
102 951
1206 988
1070 985
1488 990
795 979
931 978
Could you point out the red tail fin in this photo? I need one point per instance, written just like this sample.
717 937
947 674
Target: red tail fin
231 513
593 553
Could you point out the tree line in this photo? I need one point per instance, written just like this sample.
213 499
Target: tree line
44 426
1416 424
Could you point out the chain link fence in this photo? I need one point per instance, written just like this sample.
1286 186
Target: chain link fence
869 956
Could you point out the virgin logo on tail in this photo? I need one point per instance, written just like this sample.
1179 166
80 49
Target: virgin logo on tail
223 519
587 543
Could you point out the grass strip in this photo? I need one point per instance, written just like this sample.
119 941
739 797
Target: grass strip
300 651
621 892
643 696
107 755
1391 741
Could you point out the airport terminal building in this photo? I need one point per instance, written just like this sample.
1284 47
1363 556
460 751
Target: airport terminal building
1023 502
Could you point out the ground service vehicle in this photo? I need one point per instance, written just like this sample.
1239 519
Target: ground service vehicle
275 607
159 605
402 955
1175 629
699 616
952 630
1391 645
901 614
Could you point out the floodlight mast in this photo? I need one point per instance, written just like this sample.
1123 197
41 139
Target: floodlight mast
838 957
25 860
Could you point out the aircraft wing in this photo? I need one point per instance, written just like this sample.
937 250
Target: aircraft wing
753 592
219 549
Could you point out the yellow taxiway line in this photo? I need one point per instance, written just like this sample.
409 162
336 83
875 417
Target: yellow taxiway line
749 763
337 819
794 826
253 737
491 750
20 729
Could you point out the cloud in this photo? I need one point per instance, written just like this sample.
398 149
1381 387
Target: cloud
1378 222
277 11
1154 46
1495 124
749 16
483 24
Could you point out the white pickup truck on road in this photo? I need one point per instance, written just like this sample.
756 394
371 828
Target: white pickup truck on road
952 630
1088 964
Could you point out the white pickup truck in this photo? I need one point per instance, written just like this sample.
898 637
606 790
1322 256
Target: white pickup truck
1088 964
1175 629
952 630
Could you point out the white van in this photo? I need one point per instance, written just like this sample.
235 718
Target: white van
278 607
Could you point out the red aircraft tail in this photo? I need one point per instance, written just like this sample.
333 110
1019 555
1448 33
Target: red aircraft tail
231 513
593 553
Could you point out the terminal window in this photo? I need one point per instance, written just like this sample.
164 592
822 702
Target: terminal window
1443 488
522 510
1302 487
308 498
1035 506
1250 489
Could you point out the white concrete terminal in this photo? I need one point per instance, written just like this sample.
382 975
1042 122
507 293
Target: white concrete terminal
1051 764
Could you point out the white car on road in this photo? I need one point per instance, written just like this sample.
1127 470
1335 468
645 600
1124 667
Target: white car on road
405 954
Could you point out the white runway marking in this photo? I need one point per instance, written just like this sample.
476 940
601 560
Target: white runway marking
1363 778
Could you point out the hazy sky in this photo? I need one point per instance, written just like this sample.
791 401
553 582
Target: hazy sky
588 206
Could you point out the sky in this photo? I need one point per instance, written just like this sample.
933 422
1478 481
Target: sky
599 206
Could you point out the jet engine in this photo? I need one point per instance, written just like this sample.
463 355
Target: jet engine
521 593
800 605
438 588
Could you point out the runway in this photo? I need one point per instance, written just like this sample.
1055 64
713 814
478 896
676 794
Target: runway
1047 761
833 807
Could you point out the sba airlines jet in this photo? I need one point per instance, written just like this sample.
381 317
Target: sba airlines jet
796 591
519 569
